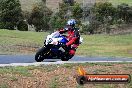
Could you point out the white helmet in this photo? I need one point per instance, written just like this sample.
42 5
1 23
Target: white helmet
71 22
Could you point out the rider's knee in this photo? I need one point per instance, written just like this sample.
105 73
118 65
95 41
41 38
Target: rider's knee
72 52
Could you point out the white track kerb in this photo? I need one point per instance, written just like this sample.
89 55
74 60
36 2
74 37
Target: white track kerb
58 62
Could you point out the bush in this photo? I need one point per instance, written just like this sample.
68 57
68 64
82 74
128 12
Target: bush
104 15
125 12
71 2
40 17
77 11
2 25
66 11
104 10
22 26
10 13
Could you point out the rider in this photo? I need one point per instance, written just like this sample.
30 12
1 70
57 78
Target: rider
73 35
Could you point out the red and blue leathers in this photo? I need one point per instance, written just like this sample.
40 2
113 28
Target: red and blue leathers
73 37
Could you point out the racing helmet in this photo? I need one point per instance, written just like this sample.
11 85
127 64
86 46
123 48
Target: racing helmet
71 22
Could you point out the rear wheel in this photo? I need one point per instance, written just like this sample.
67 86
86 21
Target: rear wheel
41 54
66 58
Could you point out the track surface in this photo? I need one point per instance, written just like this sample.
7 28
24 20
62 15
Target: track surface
8 59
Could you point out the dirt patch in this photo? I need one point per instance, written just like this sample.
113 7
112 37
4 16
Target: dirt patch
129 51
64 76
24 49
27 49
125 29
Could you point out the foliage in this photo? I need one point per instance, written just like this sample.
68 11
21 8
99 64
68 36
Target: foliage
4 85
125 12
104 15
10 13
77 11
26 14
91 28
71 2
104 11
56 22
101 17
22 26
66 11
63 10
40 17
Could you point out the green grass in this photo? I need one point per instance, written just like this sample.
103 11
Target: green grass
17 37
117 2
13 78
12 41
54 83
93 45
4 86
105 45
24 71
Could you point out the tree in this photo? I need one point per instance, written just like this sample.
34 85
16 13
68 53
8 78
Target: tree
10 13
102 16
124 12
57 22
104 10
77 11
22 26
71 2
66 11
40 17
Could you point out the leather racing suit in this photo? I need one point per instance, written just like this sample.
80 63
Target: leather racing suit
73 38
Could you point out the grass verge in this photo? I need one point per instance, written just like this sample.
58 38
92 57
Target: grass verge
15 70
14 42
117 2
63 76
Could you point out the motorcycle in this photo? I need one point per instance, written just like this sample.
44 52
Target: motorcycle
54 48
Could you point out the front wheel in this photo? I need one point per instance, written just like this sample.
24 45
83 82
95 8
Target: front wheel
41 54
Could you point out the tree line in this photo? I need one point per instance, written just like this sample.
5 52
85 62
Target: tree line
102 17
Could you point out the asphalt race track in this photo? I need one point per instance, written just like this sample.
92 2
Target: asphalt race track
8 59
